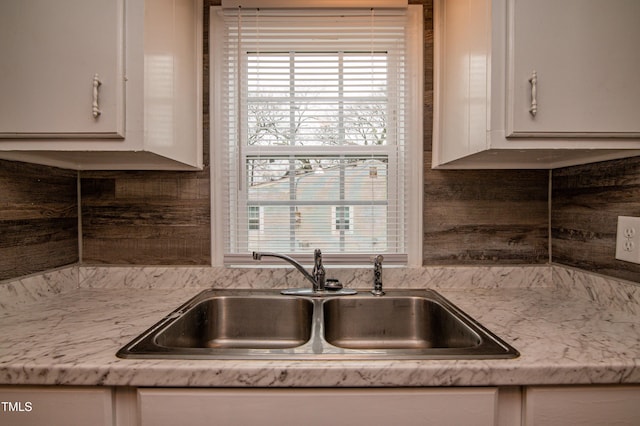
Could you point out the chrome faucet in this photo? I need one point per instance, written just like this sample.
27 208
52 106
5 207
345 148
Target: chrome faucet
318 279
377 276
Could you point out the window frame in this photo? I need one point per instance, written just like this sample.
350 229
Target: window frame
413 150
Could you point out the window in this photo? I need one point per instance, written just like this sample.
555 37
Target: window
255 218
341 220
315 120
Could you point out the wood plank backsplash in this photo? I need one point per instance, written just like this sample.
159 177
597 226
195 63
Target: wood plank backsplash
146 218
485 216
38 218
586 203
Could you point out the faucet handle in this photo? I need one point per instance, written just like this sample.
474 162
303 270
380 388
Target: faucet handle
319 273
377 276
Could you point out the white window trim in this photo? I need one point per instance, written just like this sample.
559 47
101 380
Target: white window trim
414 192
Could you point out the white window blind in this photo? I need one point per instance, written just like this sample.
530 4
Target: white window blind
314 128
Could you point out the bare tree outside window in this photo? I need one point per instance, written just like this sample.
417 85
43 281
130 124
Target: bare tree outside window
322 101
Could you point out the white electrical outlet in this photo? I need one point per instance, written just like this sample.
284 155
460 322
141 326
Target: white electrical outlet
628 239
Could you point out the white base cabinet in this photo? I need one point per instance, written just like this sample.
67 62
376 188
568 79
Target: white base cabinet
535 83
582 406
456 406
318 407
56 406
94 85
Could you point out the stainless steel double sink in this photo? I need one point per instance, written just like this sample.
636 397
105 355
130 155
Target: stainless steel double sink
244 324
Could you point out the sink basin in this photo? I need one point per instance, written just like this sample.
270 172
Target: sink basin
253 324
260 322
227 324
394 323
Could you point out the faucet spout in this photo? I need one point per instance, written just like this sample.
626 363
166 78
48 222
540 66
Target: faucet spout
298 266
317 277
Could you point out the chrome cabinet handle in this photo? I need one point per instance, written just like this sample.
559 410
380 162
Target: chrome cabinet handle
533 110
96 108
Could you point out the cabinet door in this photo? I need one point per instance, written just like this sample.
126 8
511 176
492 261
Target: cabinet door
51 51
586 57
582 405
36 406
319 407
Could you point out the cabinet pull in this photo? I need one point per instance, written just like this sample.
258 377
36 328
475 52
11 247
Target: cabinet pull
96 108
533 110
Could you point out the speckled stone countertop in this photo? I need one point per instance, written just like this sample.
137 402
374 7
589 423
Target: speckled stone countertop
64 328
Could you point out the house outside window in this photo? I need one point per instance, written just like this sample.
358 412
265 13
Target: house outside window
314 134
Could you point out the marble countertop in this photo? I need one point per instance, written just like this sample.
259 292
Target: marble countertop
563 337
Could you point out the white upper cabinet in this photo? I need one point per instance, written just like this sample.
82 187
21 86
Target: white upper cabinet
102 85
585 54
50 60
535 83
